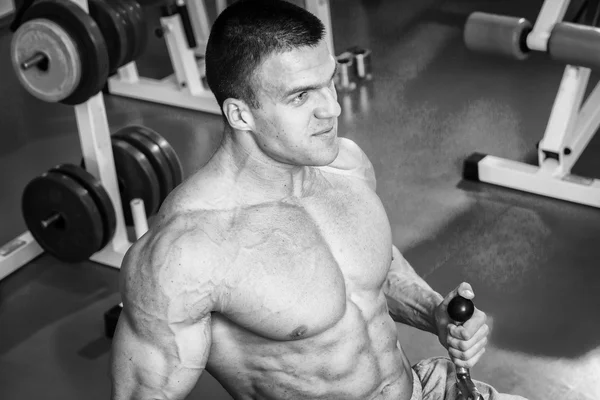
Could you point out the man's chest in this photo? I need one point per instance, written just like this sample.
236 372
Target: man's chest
297 260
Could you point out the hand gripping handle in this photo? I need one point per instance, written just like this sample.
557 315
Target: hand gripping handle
461 310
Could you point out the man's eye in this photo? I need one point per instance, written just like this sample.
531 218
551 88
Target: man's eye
301 97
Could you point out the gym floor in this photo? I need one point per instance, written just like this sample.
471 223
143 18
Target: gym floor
533 261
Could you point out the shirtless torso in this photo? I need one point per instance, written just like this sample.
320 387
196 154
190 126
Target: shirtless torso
277 300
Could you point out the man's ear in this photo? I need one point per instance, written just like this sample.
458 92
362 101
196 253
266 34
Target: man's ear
238 114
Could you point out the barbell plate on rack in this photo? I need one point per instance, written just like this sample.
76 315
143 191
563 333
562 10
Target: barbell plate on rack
135 24
112 26
154 154
46 60
141 28
168 150
129 28
63 217
98 193
136 177
83 30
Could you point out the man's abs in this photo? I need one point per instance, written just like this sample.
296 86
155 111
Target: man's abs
357 358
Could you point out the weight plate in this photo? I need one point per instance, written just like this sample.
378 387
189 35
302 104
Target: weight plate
156 157
56 72
168 150
165 146
98 193
139 22
129 28
137 179
63 217
112 25
90 44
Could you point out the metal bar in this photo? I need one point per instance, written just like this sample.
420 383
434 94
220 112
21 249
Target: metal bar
221 5
165 91
587 125
199 20
17 253
96 146
183 58
563 117
552 11
140 222
527 178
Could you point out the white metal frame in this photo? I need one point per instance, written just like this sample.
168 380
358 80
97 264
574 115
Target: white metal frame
94 135
571 126
184 87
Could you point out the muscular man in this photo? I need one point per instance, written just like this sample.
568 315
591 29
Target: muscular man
273 267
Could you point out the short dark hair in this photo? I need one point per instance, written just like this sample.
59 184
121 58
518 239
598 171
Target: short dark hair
247 32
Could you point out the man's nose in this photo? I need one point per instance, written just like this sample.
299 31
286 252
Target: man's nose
329 107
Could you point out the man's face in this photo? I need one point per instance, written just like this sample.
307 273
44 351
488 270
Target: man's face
296 122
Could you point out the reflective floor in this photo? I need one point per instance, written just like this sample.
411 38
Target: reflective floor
532 261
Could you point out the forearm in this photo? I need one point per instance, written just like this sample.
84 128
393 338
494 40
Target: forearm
410 299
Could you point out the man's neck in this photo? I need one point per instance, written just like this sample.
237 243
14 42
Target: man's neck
256 175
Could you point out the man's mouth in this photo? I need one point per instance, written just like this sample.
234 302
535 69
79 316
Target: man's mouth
324 131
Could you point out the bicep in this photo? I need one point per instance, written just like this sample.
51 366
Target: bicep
161 361
163 336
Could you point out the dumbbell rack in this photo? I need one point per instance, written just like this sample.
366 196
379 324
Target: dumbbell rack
571 126
184 88
95 138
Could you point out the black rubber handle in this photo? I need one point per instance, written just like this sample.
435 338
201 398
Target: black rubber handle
460 309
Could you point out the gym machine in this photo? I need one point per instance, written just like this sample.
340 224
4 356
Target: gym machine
572 121
71 50
185 27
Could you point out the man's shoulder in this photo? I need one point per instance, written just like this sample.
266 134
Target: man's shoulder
179 246
188 232
352 161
